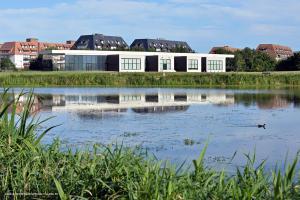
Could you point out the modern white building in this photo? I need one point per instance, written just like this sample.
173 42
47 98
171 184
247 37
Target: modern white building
135 61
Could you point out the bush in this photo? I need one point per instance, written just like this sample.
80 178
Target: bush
6 64
113 79
40 64
249 60
290 64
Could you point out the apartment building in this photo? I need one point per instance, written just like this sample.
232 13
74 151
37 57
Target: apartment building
21 53
160 45
278 52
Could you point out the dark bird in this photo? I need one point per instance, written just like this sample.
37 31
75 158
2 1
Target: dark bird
261 126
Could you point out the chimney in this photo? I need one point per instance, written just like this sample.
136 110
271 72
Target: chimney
32 40
70 42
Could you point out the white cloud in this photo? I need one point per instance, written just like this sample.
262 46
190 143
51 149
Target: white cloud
203 23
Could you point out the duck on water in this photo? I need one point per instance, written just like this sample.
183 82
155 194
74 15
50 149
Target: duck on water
261 126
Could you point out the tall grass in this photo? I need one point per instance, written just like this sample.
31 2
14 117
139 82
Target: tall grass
108 79
28 167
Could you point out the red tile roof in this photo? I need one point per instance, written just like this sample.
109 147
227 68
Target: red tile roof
30 48
276 51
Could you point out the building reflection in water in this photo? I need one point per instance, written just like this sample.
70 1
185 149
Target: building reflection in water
100 106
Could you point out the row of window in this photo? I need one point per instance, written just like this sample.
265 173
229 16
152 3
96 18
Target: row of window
104 42
215 65
131 64
24 47
193 64
99 62
129 98
89 63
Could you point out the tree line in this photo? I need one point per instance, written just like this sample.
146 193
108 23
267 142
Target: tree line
250 60
246 60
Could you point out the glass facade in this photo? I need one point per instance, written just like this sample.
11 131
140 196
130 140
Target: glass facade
130 98
193 64
131 63
215 65
85 63
165 64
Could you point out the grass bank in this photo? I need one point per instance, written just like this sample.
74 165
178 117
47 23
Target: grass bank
29 169
108 79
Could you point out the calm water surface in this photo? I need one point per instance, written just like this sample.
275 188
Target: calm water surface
175 124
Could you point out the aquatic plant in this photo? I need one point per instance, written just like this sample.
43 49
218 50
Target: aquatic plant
29 169
111 79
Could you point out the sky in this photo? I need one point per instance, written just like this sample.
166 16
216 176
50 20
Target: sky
202 23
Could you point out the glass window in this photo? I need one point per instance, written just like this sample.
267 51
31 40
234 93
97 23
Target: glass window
193 64
131 64
165 64
215 65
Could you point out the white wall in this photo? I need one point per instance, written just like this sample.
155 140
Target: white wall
166 56
194 58
142 56
18 61
218 59
143 62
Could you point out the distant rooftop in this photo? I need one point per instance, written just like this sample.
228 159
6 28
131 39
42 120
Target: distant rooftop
225 48
30 46
276 51
162 45
100 42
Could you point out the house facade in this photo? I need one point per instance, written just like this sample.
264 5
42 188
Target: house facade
278 52
134 61
21 53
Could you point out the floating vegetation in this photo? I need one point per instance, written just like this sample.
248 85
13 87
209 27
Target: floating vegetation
130 134
190 142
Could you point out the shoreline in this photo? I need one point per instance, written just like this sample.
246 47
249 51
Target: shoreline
150 80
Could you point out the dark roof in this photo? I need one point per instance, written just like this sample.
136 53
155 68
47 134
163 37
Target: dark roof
100 41
161 44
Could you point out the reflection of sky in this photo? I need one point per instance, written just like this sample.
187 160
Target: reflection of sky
228 128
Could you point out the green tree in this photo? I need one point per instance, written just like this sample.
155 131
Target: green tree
249 60
39 64
290 64
6 64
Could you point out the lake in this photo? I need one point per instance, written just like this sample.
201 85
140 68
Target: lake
175 124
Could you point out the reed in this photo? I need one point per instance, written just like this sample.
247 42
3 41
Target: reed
114 172
108 79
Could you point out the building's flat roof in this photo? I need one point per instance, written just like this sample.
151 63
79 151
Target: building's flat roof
138 53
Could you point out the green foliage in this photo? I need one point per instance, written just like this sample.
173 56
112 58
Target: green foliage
249 60
27 166
6 64
112 79
40 64
290 64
